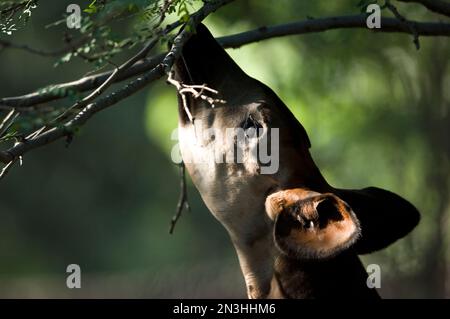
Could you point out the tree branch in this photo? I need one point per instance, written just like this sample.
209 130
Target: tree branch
405 21
438 6
7 121
118 71
71 47
6 169
58 91
68 129
115 74
325 24
14 7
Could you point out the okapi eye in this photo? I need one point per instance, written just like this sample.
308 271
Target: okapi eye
251 127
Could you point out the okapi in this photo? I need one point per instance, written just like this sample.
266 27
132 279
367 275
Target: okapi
295 235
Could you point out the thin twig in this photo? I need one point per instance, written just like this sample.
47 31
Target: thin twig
14 8
110 80
196 91
6 169
118 71
405 21
165 6
82 117
183 202
8 121
74 45
84 84
35 133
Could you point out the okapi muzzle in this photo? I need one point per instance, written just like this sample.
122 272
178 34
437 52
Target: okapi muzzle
310 225
295 235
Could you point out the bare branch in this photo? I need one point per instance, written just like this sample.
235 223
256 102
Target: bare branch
178 86
4 157
182 201
132 87
167 61
196 91
116 73
405 21
6 169
71 47
58 91
15 7
62 90
232 41
7 121
438 6
71 126
325 24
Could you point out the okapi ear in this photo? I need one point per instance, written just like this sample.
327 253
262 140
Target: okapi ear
384 217
316 227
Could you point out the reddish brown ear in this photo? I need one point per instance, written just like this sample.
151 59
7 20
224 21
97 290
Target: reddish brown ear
315 227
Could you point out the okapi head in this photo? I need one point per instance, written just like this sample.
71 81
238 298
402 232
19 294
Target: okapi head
278 213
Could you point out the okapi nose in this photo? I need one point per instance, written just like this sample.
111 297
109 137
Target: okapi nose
329 211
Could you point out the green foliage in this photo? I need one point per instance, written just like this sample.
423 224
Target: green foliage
105 20
92 8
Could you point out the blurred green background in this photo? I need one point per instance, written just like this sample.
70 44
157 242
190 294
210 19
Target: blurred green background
376 111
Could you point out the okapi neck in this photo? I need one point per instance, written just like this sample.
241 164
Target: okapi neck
343 276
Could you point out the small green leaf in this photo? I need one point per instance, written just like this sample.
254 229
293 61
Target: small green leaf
92 8
184 18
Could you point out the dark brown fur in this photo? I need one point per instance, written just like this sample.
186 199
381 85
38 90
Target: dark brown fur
341 277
